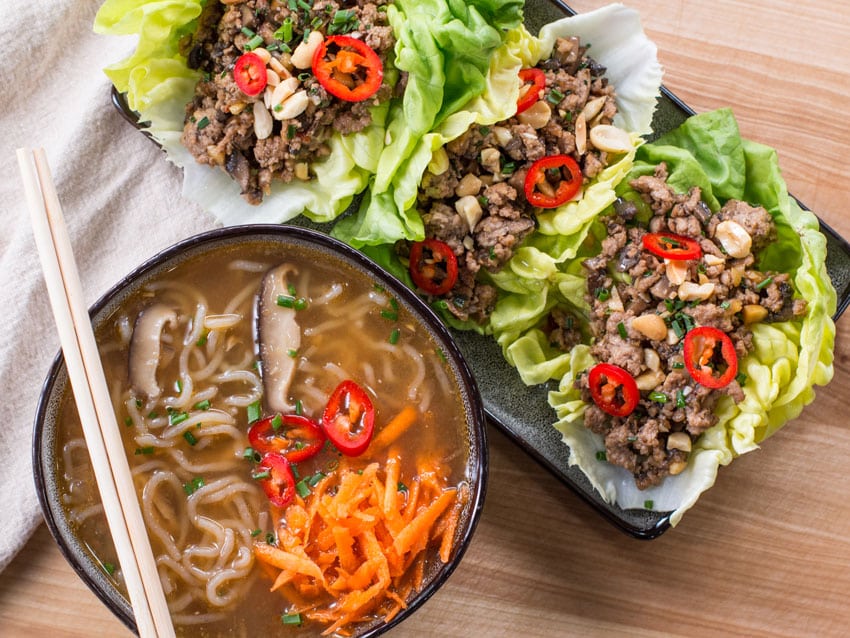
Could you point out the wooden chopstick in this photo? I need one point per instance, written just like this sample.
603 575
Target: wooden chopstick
100 428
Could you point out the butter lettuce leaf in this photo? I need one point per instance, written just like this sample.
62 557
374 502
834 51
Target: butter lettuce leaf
789 358
443 46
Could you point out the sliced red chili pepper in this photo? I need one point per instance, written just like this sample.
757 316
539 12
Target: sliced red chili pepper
353 73
613 389
552 180
349 418
249 73
710 357
294 436
531 90
274 474
671 246
433 266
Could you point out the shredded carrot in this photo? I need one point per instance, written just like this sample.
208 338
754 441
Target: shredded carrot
355 548
393 429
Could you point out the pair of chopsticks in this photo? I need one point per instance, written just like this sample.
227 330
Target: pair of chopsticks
103 438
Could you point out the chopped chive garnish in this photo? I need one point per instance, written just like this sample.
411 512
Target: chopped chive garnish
128 421
291 619
203 122
259 476
491 253
300 303
725 305
603 294
394 335
247 32
248 453
554 97
299 407
277 421
764 283
601 456
741 378
178 386
271 539
284 33
483 200
109 568
286 301
295 471
145 450
394 304
677 328
292 352
303 5
401 487
202 340
153 414
389 314
680 399
277 108
290 131
441 354
138 403
677 365
508 168
256 532
202 405
658 397
177 417
648 504
314 480
254 412
190 438
291 288
193 486
621 328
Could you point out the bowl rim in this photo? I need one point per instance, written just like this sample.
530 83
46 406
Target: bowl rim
477 420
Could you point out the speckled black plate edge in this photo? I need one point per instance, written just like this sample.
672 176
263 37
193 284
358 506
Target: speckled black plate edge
43 454
522 412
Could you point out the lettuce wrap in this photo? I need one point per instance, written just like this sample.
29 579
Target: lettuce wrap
789 357
389 212
443 46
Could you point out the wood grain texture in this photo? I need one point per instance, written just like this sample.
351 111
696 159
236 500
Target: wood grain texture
765 552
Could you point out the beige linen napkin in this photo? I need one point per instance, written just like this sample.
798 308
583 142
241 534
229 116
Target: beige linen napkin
120 196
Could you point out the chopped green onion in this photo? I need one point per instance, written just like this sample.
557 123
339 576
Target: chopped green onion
145 450
178 386
621 328
725 305
300 303
292 352
109 568
271 539
254 412
648 504
259 476
139 403
286 301
677 365
291 619
290 131
247 32
680 399
153 414
303 77
299 407
128 421
202 340
177 417
441 354
401 487
603 294
190 438
764 283
302 488
554 97
315 479
284 33
741 378
202 405
677 328
254 42
601 456
394 335
193 486
203 122
658 397
277 421
389 314
256 532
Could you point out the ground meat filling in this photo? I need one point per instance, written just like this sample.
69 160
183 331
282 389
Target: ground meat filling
476 202
723 289
221 128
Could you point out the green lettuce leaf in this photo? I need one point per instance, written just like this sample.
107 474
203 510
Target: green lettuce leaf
789 358
443 45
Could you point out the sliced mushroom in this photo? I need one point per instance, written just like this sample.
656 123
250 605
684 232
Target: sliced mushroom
279 336
146 347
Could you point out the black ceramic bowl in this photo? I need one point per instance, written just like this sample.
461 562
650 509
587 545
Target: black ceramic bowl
46 453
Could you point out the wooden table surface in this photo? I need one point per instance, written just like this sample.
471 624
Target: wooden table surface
766 551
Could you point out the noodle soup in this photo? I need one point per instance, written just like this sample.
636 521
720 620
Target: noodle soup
205 351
